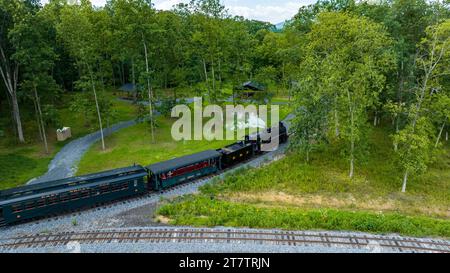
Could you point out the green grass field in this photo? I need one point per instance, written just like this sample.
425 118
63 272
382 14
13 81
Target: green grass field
134 145
291 194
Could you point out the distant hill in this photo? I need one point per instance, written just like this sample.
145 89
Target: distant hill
280 26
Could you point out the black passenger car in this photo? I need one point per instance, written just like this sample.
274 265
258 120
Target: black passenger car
54 197
166 174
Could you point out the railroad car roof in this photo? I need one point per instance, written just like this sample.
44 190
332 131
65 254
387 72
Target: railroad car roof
179 162
235 147
68 189
51 184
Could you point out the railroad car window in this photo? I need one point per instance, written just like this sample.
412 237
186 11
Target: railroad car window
40 203
189 169
74 195
103 189
29 205
52 200
84 193
17 208
64 197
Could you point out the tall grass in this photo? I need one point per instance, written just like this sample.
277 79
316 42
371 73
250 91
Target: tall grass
202 211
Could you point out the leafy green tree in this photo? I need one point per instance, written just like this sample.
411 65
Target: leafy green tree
35 54
345 66
12 13
414 140
77 30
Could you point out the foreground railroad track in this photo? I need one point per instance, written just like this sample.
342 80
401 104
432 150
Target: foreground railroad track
229 236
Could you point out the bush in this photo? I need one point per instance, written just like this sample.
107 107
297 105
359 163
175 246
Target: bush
165 108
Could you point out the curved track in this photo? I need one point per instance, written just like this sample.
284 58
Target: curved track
229 236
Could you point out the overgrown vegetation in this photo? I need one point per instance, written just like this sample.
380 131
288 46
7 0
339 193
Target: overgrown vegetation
202 211
294 194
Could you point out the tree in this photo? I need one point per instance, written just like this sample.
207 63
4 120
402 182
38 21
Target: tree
307 15
345 64
35 54
207 39
78 32
414 140
11 13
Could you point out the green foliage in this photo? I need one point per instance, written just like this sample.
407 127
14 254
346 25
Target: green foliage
341 96
415 147
375 205
202 211
165 108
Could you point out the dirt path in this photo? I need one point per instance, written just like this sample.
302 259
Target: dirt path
66 161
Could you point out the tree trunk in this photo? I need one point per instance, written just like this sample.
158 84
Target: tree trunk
133 77
149 89
336 117
98 109
10 78
41 121
405 180
38 122
122 69
113 75
213 80
440 134
16 114
220 75
206 78
352 134
13 120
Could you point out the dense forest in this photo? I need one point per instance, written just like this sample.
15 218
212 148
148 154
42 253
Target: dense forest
349 65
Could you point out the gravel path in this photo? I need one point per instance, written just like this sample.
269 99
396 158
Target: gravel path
65 163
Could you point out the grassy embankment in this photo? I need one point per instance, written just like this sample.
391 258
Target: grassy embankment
290 194
22 162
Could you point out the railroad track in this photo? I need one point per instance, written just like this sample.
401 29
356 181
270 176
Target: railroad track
229 236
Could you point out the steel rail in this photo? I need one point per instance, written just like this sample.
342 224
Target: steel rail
232 236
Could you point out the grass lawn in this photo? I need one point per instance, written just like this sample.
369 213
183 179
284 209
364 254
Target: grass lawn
133 145
293 195
21 162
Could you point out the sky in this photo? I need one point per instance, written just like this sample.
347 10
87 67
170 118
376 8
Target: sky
274 11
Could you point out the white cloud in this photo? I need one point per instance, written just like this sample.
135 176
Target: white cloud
97 3
275 12
166 4
269 13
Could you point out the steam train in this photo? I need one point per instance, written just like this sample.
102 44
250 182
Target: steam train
55 197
